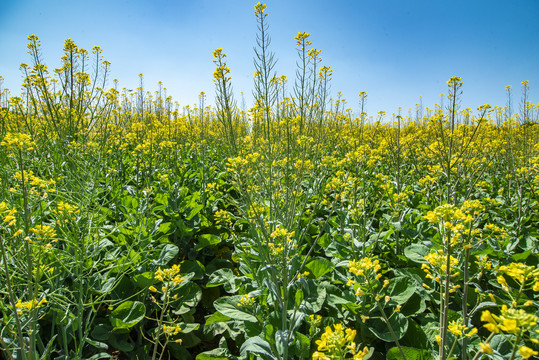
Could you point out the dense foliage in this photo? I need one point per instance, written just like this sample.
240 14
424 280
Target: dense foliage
132 229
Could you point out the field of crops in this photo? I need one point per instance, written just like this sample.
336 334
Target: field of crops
134 229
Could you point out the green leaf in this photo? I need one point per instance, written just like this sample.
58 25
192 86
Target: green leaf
319 267
228 306
101 332
226 276
187 328
415 305
144 280
195 209
167 253
257 345
122 342
409 353
280 340
216 354
216 317
206 240
97 344
302 345
220 277
415 336
191 266
99 356
380 329
400 289
417 253
165 228
127 314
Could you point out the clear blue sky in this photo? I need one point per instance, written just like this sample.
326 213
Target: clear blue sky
395 50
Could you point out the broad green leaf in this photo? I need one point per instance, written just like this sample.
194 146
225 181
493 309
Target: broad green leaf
144 280
97 344
380 329
302 345
206 240
259 346
165 228
216 354
417 253
415 305
409 353
187 328
127 314
415 336
101 332
216 317
281 340
167 253
220 277
229 306
400 289
319 267
122 342
226 277
193 266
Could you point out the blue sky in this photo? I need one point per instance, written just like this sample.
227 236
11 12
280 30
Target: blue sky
394 50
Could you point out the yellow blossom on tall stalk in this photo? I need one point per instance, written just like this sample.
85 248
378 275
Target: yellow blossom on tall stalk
511 321
522 274
8 214
302 36
259 9
19 141
171 274
26 306
364 266
337 343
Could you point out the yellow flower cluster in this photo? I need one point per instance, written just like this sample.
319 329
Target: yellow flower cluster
35 181
259 9
522 273
447 214
437 260
246 301
364 266
18 141
280 237
171 330
171 274
43 232
66 211
8 214
222 216
457 328
511 321
26 306
527 352
336 343
301 37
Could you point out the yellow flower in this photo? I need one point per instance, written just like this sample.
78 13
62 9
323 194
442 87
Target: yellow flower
18 141
526 352
513 321
246 300
485 348
320 356
171 330
360 355
332 342
259 9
